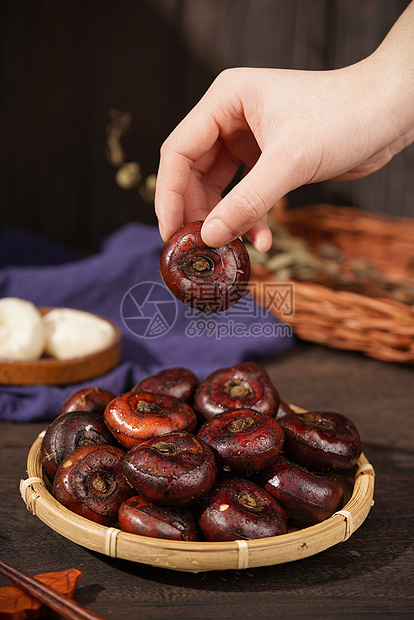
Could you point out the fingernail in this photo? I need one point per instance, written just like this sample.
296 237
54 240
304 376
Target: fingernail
214 233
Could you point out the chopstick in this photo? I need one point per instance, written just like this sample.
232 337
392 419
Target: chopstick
60 603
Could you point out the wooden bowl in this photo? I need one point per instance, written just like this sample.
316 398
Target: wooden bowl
51 371
198 556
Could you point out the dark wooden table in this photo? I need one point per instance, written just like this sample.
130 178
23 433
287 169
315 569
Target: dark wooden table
370 574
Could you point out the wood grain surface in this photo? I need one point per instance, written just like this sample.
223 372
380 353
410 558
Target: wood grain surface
371 574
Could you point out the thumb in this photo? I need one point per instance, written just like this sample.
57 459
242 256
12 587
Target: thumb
245 207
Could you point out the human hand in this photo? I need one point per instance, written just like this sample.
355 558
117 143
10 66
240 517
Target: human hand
289 128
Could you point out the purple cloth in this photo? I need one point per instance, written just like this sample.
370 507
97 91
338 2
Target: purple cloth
122 282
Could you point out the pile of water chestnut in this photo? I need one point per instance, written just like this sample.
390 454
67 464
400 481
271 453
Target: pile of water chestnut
218 460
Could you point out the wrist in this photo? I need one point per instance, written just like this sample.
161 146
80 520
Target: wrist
393 70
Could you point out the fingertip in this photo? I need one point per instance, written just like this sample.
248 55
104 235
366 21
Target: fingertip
164 237
263 240
260 235
215 234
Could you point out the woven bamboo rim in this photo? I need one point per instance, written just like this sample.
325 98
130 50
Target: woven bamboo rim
379 327
197 556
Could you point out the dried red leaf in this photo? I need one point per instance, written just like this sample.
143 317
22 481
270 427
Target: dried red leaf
15 604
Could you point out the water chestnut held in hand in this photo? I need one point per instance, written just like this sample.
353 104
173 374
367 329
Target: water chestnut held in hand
205 278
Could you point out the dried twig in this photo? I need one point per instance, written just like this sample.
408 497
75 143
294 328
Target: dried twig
129 174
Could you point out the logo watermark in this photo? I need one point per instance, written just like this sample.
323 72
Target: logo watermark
278 298
212 329
149 310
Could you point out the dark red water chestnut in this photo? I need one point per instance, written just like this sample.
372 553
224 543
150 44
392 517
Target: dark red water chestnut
244 441
239 509
178 382
176 469
305 496
138 516
321 441
134 417
69 431
88 399
245 385
90 482
208 279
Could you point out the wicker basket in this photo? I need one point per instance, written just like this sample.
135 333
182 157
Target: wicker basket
377 326
199 556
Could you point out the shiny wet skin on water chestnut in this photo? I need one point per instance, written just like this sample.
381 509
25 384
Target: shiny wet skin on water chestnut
245 385
250 437
90 482
244 441
204 278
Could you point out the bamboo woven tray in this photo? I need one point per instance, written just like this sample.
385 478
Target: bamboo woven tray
198 556
51 371
362 320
